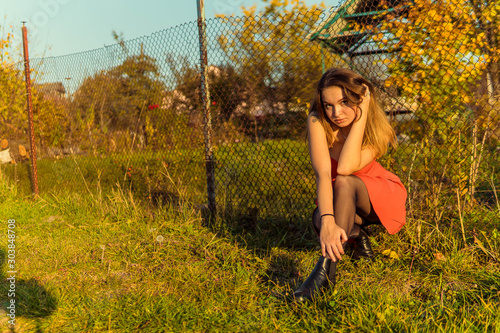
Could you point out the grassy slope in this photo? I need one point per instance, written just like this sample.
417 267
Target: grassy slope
108 263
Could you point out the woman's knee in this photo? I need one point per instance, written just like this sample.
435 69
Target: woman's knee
344 184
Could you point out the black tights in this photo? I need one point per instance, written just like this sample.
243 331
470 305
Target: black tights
351 205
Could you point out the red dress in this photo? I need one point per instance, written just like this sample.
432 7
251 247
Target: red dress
387 194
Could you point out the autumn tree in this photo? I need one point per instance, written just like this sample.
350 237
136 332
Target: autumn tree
48 115
121 97
444 54
14 119
228 89
271 48
12 93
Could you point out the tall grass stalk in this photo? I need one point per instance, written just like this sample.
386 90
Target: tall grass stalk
493 187
459 207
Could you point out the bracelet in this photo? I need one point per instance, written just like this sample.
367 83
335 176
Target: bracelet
326 215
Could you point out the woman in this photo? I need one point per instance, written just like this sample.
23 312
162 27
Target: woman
347 132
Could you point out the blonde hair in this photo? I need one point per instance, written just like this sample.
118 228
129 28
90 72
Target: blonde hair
378 132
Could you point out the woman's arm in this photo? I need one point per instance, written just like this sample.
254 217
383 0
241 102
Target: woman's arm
331 235
353 157
321 163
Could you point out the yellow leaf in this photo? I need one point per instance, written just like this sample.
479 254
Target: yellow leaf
393 255
439 256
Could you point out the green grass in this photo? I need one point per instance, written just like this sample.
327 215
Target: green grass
274 177
142 173
110 260
270 179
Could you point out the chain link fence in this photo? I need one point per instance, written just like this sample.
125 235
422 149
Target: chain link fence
131 114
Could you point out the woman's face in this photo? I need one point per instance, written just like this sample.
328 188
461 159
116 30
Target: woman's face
337 107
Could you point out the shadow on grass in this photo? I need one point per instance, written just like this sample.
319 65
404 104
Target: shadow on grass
31 300
263 233
272 237
278 240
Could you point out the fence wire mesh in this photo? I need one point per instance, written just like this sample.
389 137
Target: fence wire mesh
131 113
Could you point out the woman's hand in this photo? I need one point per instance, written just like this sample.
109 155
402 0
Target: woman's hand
331 238
365 103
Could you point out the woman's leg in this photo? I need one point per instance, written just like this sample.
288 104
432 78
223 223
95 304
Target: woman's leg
316 220
350 199
353 201
358 237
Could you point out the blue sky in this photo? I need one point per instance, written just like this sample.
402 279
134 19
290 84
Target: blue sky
59 27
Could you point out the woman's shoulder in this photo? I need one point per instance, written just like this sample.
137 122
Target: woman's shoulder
313 114
313 119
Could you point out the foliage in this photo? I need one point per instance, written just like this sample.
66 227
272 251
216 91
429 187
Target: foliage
6 55
121 97
271 47
49 115
12 102
12 93
227 90
50 119
441 52
269 69
445 56
236 110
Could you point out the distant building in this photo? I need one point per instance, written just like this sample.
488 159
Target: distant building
398 108
51 90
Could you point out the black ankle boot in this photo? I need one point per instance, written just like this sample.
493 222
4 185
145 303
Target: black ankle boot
322 277
362 247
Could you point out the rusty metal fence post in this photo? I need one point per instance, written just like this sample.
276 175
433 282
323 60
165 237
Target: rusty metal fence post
205 99
34 172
